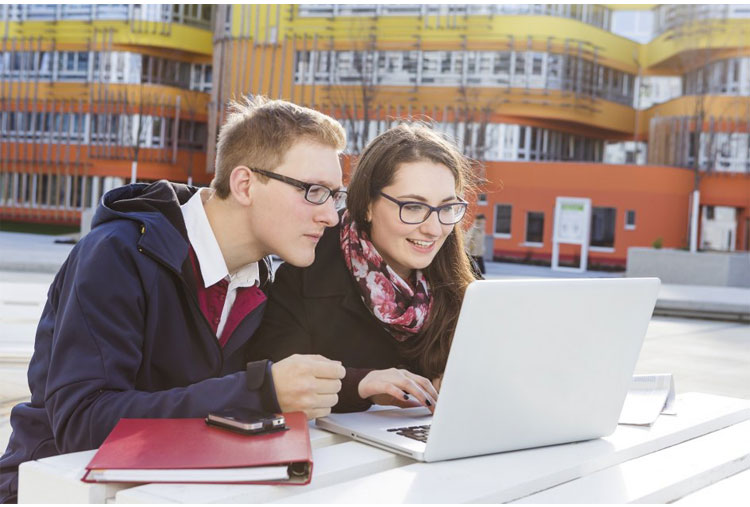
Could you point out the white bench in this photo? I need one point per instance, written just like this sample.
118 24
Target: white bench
707 441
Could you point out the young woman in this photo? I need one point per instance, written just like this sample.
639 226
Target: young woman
385 290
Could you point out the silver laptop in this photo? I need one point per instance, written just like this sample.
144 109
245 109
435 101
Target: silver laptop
533 363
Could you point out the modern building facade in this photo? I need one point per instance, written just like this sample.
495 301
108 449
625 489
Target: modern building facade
86 90
633 107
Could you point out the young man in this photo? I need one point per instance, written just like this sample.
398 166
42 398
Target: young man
151 314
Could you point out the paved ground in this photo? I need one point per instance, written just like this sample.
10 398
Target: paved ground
31 252
704 355
697 301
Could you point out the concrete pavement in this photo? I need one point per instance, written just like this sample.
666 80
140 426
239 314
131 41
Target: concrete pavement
36 253
693 301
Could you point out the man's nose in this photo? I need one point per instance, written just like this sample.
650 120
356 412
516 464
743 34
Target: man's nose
328 214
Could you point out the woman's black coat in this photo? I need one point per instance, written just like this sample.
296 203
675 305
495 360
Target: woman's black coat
318 310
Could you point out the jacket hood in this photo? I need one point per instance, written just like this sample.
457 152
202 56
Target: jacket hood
156 207
142 201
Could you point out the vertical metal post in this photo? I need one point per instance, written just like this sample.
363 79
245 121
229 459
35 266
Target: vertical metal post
272 70
284 50
313 62
175 129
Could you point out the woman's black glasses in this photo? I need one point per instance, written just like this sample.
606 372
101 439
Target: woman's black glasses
314 193
412 212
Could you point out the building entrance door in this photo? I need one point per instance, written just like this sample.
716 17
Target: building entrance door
571 227
718 228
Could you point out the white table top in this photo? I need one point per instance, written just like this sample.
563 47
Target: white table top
707 441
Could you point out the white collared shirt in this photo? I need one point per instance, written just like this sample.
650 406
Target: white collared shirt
210 259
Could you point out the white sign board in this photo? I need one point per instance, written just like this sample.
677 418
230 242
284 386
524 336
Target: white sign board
570 223
571 227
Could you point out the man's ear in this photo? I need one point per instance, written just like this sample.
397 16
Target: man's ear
241 180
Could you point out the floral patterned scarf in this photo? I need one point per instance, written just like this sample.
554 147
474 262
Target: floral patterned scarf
401 307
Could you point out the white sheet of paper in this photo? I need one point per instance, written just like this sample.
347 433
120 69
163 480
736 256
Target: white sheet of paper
648 396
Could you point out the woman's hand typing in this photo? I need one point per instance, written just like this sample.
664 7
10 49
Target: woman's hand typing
398 387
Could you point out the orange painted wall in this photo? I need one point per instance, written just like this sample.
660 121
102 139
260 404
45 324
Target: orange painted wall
726 189
659 195
40 215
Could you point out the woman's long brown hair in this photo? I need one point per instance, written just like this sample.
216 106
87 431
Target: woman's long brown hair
450 271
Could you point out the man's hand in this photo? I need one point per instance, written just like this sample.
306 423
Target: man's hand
307 383
398 387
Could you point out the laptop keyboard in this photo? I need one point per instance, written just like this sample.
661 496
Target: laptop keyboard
414 432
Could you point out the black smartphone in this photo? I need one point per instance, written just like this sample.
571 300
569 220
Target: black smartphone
247 422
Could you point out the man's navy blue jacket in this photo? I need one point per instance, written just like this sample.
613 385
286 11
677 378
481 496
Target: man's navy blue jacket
122 335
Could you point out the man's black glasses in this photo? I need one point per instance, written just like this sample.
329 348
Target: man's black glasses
413 212
314 193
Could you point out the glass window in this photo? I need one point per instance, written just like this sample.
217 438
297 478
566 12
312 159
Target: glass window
311 10
445 62
502 218
602 227
471 62
207 12
24 193
200 134
83 61
401 10
501 63
537 64
183 76
45 63
4 185
520 65
533 143
303 60
41 12
410 60
485 62
630 219
88 192
534 227
156 131
111 11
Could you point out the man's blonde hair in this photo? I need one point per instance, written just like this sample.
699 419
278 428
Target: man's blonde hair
258 132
